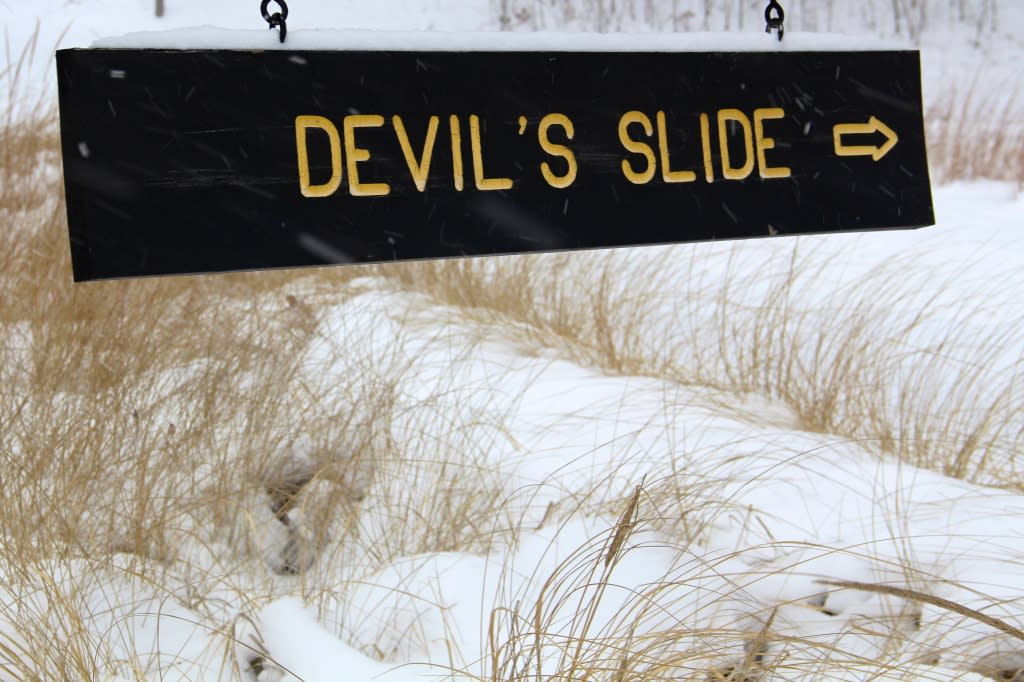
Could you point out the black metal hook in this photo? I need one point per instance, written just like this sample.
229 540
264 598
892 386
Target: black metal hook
277 19
774 16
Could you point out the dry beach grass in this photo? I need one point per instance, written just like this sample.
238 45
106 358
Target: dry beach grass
98 479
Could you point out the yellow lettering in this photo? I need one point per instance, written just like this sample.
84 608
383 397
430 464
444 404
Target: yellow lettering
453 123
482 183
420 168
356 154
764 143
728 170
667 174
705 143
631 145
557 181
302 124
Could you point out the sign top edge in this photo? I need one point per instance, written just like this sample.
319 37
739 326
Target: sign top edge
208 38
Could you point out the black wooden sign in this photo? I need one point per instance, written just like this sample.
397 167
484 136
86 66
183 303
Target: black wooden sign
180 161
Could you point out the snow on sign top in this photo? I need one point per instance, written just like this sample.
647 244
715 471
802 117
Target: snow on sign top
211 38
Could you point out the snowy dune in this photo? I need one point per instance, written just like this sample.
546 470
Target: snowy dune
745 519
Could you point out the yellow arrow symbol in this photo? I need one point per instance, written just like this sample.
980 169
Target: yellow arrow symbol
872 126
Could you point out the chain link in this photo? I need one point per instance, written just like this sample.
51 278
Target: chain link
774 16
277 19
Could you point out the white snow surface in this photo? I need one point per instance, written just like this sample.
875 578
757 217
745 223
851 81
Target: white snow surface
552 448
549 449
206 37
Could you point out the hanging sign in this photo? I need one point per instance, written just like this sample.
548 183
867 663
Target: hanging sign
183 161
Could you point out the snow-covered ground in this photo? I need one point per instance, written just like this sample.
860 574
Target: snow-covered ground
570 518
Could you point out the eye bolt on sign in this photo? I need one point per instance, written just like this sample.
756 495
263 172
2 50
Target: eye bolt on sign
199 160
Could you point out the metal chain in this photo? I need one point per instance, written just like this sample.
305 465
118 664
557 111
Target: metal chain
277 19
774 16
